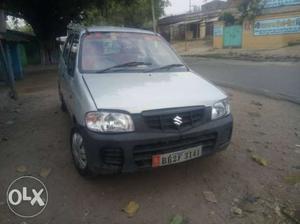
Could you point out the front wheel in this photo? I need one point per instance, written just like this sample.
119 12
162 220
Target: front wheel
79 153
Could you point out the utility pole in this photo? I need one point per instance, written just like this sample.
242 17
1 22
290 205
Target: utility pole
153 17
185 24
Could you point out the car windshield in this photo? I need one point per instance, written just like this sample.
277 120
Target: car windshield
120 51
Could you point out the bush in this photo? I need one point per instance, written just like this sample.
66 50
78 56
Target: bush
250 9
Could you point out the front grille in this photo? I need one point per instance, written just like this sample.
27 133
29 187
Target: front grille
143 153
166 119
112 157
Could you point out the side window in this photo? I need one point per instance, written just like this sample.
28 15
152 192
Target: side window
72 55
67 48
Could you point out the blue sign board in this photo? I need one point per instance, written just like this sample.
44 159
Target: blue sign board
278 3
277 26
218 30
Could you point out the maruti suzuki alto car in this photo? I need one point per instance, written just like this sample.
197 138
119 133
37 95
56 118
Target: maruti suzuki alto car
135 104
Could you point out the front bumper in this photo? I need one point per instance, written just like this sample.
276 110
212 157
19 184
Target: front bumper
129 152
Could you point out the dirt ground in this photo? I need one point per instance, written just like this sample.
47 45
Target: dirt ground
202 48
34 133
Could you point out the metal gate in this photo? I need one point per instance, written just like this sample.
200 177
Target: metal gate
233 36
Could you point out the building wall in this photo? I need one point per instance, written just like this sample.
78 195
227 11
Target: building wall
252 41
218 35
262 41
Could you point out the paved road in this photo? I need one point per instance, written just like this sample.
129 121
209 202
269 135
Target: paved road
281 79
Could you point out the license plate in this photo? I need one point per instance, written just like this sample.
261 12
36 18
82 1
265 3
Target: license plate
176 157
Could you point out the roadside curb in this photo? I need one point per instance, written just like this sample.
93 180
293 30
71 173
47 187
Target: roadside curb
243 57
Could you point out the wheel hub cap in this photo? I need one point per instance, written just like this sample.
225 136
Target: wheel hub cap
78 150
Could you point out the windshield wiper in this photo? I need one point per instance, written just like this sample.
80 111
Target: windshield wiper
127 64
165 67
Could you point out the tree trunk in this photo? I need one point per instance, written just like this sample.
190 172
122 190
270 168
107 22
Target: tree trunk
49 52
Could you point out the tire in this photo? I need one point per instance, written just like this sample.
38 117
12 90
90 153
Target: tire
79 153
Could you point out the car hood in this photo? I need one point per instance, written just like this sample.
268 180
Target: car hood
137 92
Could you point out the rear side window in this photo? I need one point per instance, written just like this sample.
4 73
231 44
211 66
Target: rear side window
72 55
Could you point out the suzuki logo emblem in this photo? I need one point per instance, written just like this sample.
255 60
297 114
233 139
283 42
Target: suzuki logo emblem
177 120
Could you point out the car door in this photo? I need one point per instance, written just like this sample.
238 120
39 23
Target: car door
63 79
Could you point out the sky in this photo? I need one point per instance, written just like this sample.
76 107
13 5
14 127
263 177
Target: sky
10 23
181 6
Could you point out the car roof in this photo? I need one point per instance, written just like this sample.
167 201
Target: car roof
114 29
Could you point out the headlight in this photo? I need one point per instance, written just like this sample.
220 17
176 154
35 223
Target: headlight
220 109
103 121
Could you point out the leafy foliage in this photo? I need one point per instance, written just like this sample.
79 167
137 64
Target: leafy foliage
228 18
250 9
50 18
138 14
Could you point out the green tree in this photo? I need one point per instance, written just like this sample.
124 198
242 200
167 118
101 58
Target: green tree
228 18
49 19
138 14
250 9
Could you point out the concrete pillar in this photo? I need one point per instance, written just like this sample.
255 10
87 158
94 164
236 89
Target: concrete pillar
171 33
202 30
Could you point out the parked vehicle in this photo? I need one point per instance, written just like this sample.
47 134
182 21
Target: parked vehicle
134 103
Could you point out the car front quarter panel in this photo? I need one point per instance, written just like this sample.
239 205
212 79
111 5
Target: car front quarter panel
83 100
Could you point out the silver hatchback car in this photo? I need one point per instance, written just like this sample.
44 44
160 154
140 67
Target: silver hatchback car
134 103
